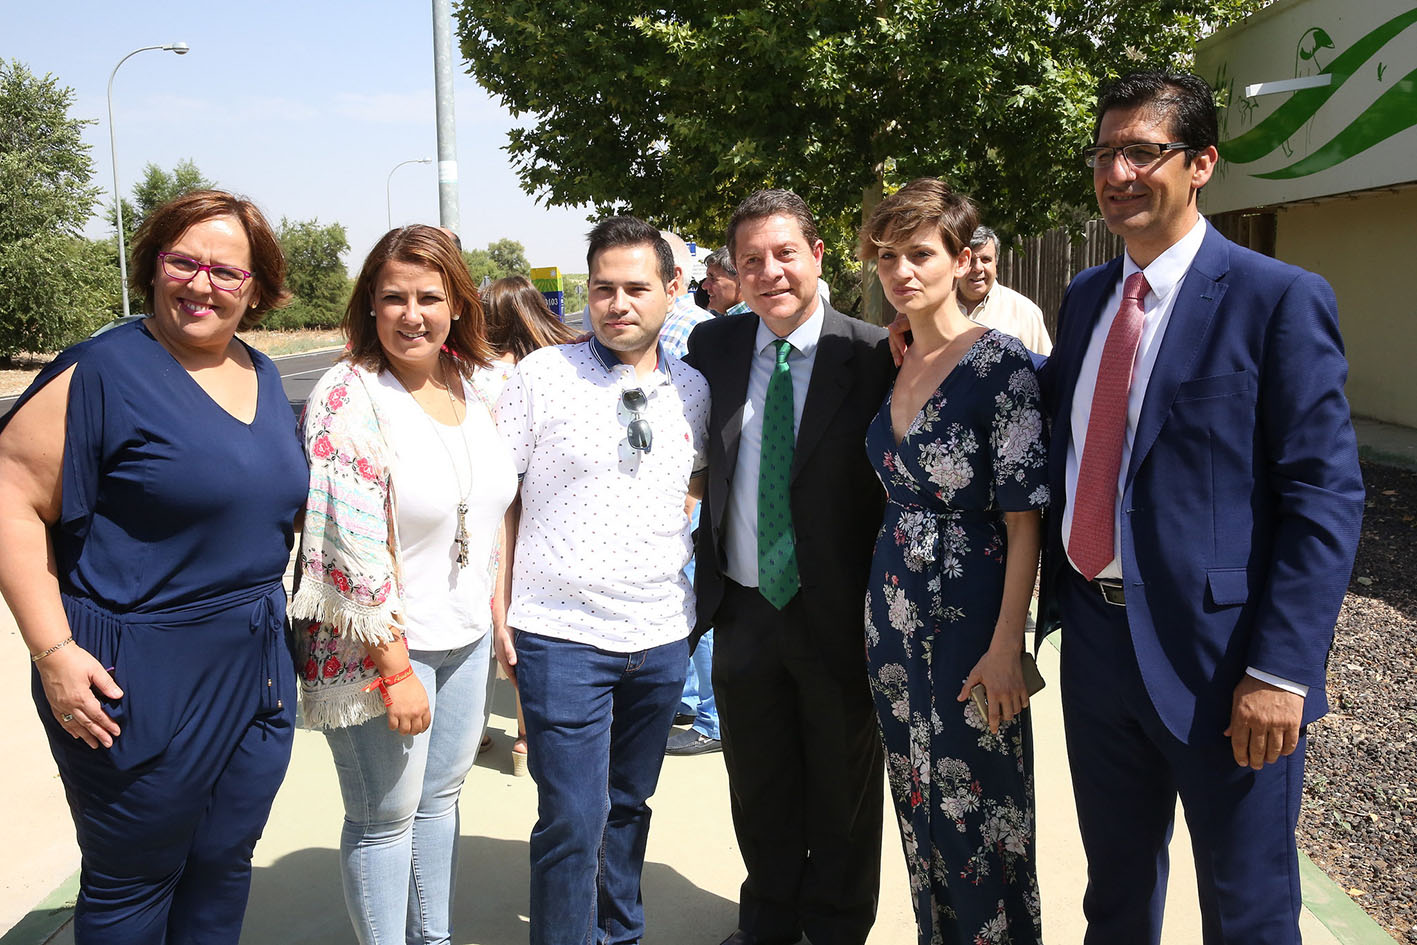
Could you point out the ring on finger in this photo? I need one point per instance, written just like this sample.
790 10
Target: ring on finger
67 717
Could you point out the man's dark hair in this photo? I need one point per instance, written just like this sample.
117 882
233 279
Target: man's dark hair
983 234
723 260
771 203
1186 101
630 231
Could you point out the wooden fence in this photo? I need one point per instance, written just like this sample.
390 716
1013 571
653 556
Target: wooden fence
1042 266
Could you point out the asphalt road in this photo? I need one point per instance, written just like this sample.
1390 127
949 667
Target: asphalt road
298 374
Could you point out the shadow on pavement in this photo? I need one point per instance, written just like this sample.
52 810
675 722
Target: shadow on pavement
298 900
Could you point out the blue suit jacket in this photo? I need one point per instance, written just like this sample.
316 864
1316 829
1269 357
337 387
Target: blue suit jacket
1243 498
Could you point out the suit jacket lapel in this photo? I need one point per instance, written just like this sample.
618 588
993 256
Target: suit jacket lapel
1191 319
831 379
737 356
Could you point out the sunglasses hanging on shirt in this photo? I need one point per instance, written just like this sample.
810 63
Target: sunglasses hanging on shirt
638 431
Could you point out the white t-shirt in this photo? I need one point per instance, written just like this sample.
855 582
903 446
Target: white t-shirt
445 606
603 538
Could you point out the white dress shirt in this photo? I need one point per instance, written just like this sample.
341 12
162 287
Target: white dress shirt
1164 278
740 515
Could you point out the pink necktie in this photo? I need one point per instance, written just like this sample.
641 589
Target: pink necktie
1090 543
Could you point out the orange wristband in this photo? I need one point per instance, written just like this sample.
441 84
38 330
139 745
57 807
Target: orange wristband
382 683
399 676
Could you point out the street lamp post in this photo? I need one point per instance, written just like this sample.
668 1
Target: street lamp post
181 50
388 195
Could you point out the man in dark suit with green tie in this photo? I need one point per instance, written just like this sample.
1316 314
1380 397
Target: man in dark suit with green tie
784 549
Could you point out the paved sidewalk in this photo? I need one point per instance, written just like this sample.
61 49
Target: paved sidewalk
693 868
691 876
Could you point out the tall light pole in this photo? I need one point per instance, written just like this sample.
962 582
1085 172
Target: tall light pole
181 50
388 196
448 213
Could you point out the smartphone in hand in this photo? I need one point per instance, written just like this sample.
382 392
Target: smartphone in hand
1032 680
981 700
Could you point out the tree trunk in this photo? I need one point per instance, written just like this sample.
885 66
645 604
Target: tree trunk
873 300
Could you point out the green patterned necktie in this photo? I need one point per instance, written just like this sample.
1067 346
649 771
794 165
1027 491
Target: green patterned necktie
777 545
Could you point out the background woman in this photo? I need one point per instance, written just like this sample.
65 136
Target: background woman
149 480
409 482
518 322
959 446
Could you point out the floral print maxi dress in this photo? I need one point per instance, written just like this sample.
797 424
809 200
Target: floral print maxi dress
963 796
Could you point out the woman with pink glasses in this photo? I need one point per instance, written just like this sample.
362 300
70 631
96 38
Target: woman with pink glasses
149 484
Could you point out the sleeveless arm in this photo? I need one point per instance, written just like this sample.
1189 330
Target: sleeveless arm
37 462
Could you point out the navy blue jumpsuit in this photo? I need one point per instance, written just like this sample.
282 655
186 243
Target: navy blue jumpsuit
174 533
963 796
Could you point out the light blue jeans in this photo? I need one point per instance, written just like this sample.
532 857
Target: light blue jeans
697 699
399 846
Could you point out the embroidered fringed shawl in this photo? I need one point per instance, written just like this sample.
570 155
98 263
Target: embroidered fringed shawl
349 590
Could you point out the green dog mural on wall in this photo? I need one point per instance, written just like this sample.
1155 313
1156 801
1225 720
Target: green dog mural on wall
1393 111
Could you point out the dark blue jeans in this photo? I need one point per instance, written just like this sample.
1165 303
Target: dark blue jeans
596 725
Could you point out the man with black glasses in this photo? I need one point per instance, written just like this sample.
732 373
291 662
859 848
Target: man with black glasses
1206 502
608 437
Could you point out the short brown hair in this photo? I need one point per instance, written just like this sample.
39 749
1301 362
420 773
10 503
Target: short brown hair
519 320
920 205
165 226
430 247
771 203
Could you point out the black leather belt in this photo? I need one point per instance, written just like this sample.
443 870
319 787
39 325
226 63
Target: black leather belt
1111 591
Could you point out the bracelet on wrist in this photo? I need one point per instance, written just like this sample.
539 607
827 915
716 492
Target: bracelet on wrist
35 658
399 676
382 683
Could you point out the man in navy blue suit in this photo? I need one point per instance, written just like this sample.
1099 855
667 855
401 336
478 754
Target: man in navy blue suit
1206 510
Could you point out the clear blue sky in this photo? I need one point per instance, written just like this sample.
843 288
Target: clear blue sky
304 106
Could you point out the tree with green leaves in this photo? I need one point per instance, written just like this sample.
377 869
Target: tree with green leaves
510 255
55 286
156 188
315 274
575 287
504 257
678 111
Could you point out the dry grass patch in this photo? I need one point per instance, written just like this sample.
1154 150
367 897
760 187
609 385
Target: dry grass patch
277 343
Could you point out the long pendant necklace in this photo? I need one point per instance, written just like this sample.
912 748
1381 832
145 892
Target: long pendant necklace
460 540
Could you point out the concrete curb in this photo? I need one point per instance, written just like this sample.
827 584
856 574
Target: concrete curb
1336 910
48 918
1386 443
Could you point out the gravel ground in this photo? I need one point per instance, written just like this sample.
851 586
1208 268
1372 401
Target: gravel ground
1359 821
